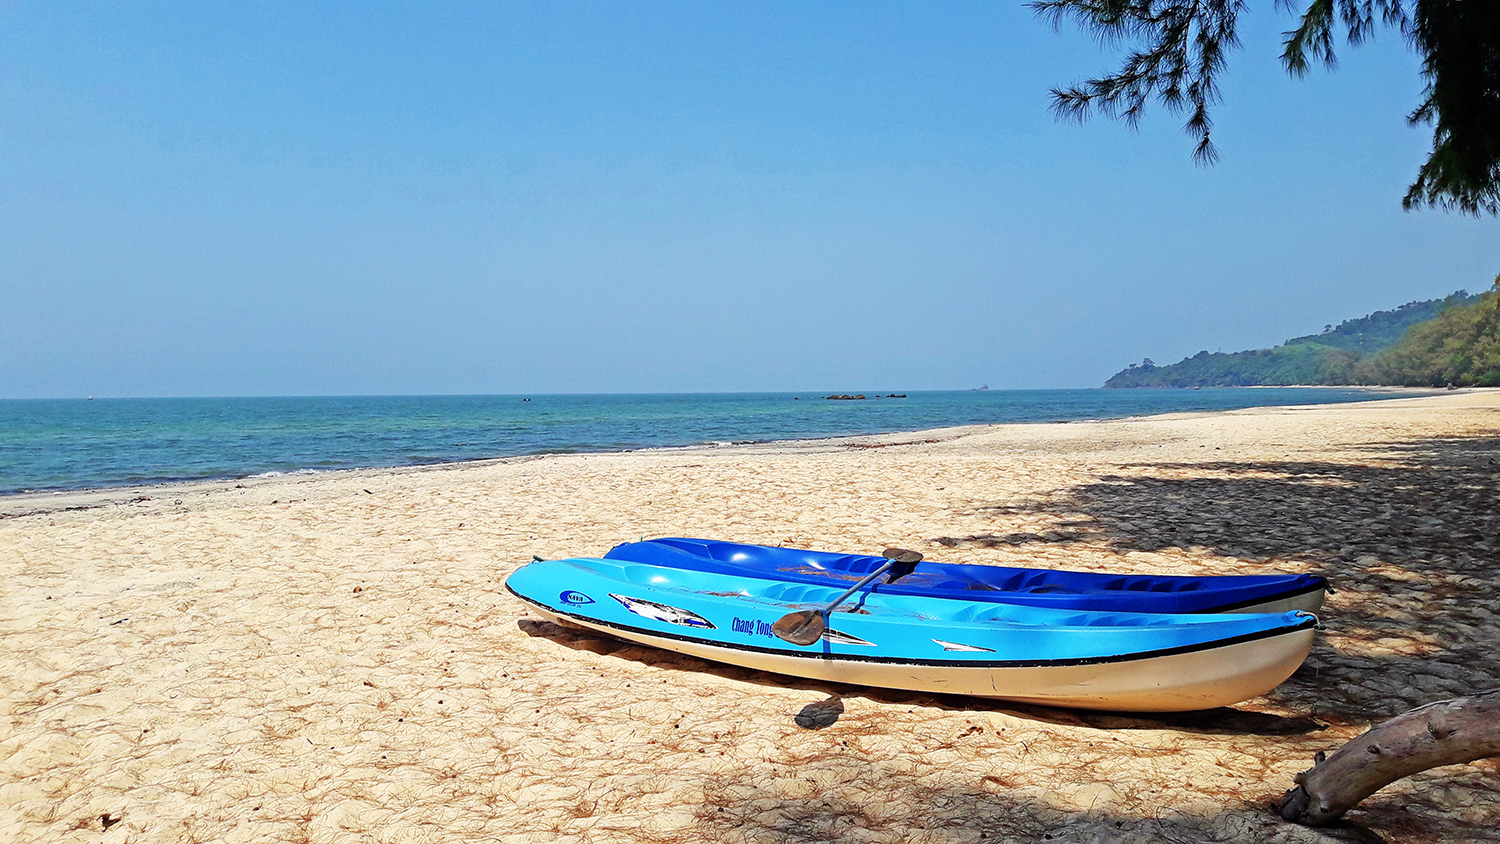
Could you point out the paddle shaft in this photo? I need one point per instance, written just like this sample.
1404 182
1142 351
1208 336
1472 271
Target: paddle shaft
805 627
858 586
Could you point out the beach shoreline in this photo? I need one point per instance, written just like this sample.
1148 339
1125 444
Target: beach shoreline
333 657
138 461
29 502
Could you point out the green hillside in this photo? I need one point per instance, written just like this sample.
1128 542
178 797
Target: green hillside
1460 348
1382 329
1341 355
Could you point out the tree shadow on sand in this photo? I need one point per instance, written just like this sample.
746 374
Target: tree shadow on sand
1412 542
876 803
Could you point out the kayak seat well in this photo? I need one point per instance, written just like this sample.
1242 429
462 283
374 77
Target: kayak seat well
644 575
966 613
856 563
1147 585
1151 584
798 593
715 550
1012 583
1038 583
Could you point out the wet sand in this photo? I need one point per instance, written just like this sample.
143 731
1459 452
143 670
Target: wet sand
334 658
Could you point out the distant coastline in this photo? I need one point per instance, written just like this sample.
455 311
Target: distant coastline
1437 343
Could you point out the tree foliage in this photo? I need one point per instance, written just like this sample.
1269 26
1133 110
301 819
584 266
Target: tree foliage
1182 45
1382 329
1459 348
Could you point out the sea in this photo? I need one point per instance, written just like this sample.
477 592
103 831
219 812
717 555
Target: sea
72 444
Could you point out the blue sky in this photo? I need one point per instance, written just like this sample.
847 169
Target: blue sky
295 199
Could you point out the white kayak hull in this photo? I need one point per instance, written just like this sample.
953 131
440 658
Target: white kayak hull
1179 682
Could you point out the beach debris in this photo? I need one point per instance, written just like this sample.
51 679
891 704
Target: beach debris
1448 732
991 540
888 445
820 714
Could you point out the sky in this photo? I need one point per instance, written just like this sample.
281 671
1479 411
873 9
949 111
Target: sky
225 199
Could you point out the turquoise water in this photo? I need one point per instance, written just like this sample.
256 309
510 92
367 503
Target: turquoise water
56 444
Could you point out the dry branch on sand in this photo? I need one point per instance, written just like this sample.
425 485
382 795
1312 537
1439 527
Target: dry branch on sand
1448 732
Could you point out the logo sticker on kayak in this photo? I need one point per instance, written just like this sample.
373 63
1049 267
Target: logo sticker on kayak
575 598
664 613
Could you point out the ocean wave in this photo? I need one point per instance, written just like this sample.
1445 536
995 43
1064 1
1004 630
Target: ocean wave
276 473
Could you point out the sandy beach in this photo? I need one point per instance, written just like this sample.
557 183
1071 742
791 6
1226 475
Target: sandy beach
333 658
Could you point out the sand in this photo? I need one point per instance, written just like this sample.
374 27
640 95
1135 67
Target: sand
333 658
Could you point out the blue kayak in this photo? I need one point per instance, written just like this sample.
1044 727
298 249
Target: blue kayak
1072 590
1095 660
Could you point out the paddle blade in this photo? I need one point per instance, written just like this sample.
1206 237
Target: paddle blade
800 628
903 562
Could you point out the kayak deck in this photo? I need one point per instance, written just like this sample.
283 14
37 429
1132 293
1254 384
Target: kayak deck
1034 587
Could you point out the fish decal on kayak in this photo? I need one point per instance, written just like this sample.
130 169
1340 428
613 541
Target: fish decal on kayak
955 646
663 613
835 637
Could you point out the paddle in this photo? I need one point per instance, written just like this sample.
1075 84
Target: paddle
807 626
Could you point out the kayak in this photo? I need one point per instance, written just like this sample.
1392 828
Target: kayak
1073 590
1144 662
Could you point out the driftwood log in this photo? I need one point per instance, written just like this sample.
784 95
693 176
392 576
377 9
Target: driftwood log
1449 732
